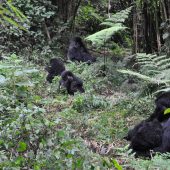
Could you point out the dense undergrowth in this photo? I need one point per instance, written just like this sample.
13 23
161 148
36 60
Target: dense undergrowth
44 128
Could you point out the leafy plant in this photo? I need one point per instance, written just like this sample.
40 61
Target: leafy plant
114 23
12 15
154 69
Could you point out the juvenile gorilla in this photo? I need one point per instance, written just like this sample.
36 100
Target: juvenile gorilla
148 136
162 103
78 52
71 82
55 68
68 80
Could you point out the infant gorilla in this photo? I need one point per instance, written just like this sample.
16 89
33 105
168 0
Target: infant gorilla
78 52
71 82
68 80
148 136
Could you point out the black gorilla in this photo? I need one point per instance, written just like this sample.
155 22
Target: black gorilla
148 136
162 103
71 82
165 145
145 137
55 68
154 132
78 52
68 80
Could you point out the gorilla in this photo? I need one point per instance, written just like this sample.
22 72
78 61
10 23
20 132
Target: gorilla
165 146
78 52
145 137
148 136
71 82
162 103
154 132
55 68
68 80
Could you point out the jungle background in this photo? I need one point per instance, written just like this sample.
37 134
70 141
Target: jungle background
42 128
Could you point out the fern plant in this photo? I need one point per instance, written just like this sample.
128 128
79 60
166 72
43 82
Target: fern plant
13 16
115 24
154 69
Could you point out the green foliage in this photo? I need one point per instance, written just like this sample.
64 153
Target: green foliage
98 39
88 18
158 162
154 69
12 15
114 23
33 133
119 17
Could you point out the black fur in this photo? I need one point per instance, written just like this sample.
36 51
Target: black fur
153 133
165 145
55 68
78 52
162 103
71 82
68 80
148 136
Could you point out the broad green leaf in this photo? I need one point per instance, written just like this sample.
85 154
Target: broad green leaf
116 164
167 111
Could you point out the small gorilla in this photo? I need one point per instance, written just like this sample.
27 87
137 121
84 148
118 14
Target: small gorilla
148 136
55 68
78 52
68 80
71 82
162 103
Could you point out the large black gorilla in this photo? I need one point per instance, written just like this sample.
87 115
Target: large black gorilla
162 103
78 52
148 136
153 133
68 80
145 137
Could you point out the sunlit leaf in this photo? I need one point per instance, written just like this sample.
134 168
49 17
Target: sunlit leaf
22 146
167 111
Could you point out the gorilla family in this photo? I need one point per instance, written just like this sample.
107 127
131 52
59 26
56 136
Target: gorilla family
68 80
78 52
154 132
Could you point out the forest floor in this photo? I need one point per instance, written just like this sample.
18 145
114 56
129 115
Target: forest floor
87 128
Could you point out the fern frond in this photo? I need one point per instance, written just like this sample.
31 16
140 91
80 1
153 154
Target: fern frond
121 16
102 36
154 69
144 77
115 23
